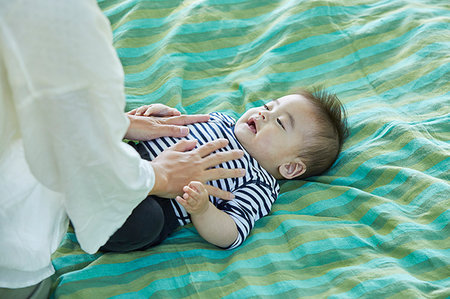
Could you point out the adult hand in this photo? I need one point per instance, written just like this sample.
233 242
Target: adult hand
154 110
181 163
158 120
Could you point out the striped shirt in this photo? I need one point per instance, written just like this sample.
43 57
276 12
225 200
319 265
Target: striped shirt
254 194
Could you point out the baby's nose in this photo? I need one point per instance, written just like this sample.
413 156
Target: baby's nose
263 117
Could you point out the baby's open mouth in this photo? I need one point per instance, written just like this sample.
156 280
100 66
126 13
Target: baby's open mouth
251 124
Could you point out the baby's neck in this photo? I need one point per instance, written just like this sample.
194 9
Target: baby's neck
270 170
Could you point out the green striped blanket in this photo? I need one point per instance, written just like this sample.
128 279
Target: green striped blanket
375 225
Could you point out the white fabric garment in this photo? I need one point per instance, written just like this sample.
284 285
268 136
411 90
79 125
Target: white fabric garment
61 126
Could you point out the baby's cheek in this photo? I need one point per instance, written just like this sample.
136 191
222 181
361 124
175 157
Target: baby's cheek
267 145
270 143
270 136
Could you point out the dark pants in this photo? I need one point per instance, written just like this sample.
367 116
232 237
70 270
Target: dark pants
148 225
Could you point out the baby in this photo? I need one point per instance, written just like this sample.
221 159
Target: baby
293 137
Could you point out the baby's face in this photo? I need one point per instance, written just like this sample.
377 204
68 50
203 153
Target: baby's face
274 133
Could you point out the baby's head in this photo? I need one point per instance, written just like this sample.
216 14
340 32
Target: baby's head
295 136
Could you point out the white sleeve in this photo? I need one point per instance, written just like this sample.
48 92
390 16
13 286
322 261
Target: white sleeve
67 84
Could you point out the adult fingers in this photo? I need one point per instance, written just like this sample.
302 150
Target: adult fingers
161 110
221 157
170 131
219 193
140 111
211 146
183 145
132 112
185 119
222 173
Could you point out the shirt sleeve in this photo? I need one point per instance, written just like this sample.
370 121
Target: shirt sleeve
68 89
252 202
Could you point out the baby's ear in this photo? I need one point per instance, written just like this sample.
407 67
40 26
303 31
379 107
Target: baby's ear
291 170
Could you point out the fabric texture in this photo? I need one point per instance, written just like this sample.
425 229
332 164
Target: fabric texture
376 225
61 149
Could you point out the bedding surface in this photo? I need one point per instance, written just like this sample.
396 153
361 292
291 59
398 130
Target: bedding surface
376 225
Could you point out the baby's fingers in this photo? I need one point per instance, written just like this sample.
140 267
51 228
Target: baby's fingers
191 201
182 201
190 192
197 186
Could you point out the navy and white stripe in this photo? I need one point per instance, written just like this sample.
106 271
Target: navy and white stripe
254 194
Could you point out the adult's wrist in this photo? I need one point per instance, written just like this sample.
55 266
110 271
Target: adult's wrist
128 134
161 181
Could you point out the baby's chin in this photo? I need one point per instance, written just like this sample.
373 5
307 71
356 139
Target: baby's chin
243 134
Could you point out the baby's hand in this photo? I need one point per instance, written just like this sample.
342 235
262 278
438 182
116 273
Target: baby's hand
195 198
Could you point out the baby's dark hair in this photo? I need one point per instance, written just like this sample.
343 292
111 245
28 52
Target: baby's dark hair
324 143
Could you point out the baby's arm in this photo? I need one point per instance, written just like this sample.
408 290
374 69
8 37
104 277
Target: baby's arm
214 225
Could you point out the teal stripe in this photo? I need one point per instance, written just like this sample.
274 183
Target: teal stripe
380 133
354 119
433 103
333 204
429 197
311 248
400 179
149 4
302 288
222 56
288 77
386 158
309 287
436 74
440 169
208 276
290 49
249 25
116 13
310 42
368 287
67 261
319 70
